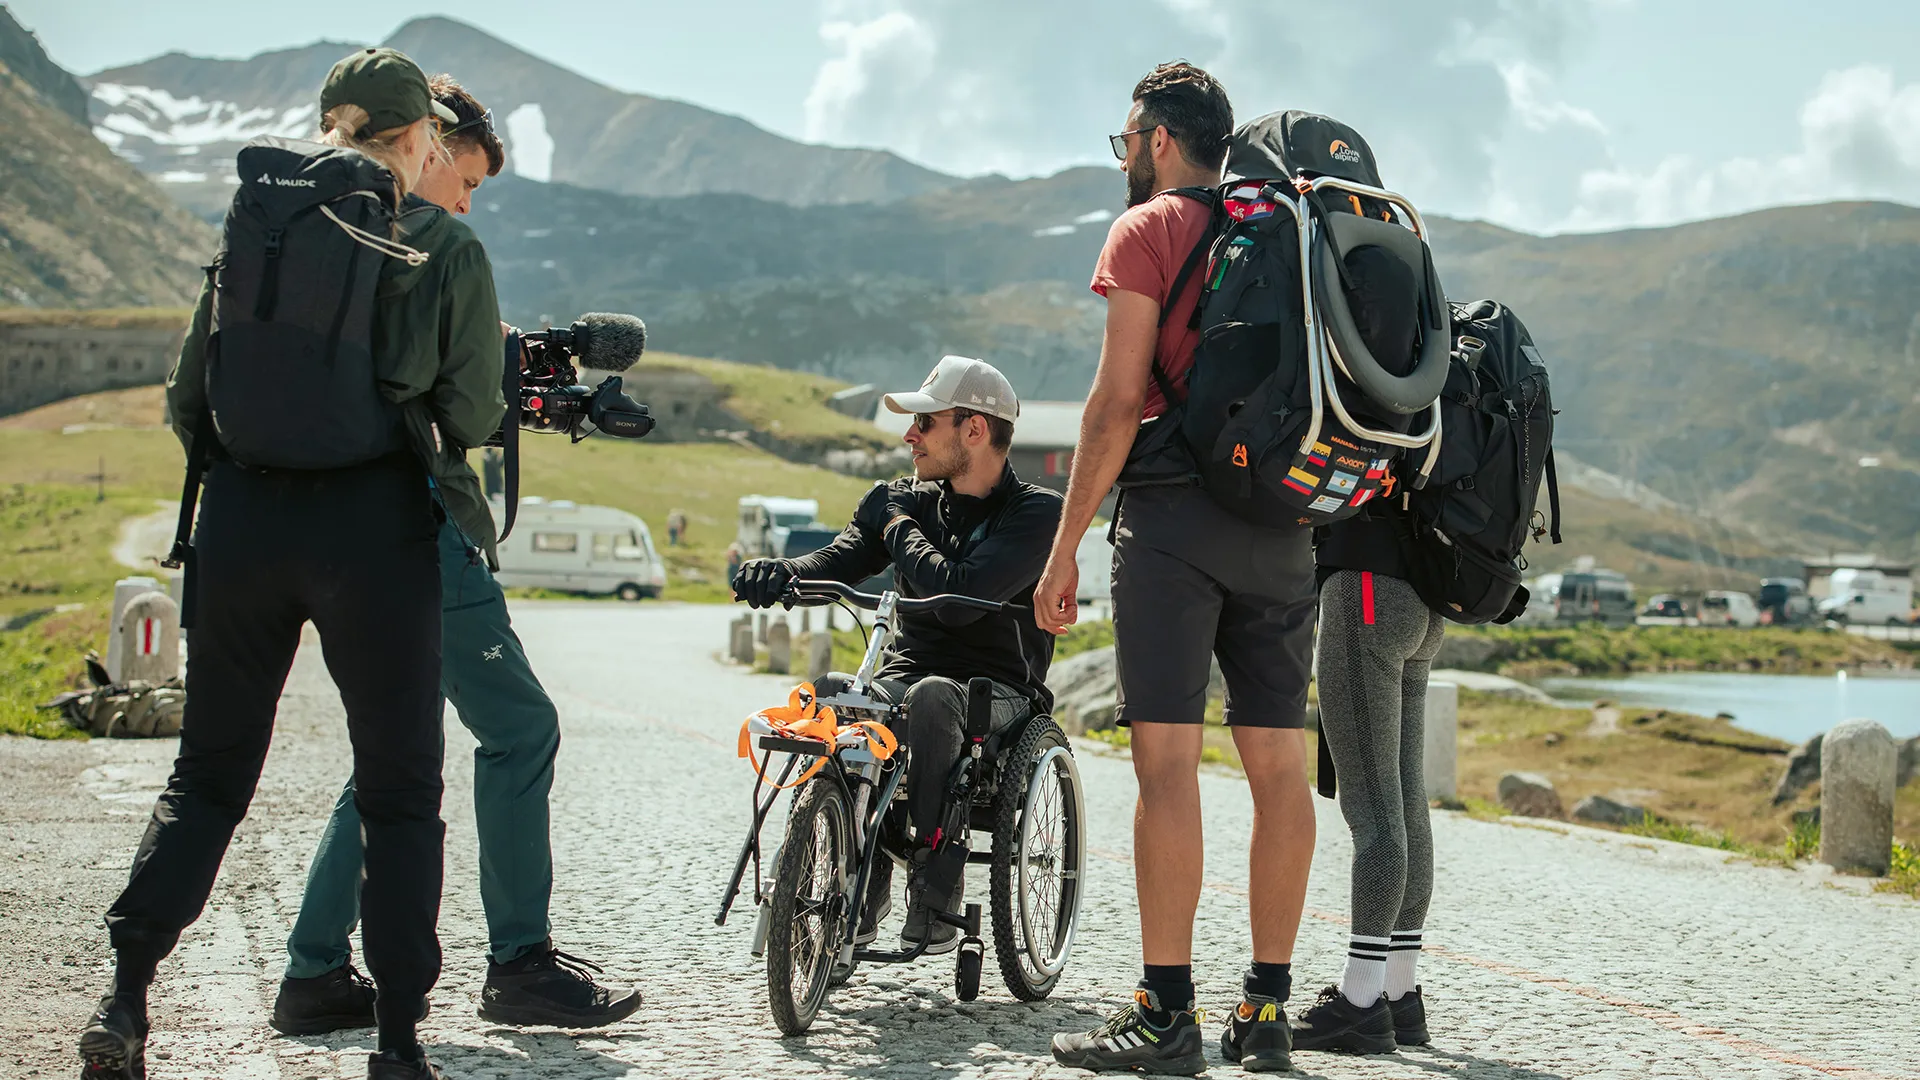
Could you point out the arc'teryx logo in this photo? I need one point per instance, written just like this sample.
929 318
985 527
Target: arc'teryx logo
493 653
283 181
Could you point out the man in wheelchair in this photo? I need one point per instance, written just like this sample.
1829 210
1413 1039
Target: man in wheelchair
965 524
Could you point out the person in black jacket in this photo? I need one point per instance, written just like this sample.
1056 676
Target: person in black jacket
963 523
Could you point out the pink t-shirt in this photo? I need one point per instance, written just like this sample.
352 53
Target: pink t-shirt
1144 252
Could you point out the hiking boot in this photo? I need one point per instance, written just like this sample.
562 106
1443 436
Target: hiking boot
938 883
1257 1037
1131 1040
387 1065
1409 1019
1334 1023
339 1000
548 987
113 1045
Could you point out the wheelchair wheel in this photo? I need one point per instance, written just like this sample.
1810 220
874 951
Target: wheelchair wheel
809 913
1039 856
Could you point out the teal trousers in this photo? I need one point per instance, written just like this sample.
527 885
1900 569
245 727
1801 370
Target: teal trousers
484 672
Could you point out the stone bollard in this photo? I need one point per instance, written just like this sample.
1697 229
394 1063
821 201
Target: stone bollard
149 635
819 655
1858 761
1443 737
806 621
760 631
124 592
827 615
779 647
742 647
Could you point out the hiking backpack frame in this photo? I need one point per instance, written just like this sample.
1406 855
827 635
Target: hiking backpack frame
1287 426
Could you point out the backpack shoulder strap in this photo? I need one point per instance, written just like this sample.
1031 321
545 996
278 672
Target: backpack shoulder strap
1209 198
1553 497
510 434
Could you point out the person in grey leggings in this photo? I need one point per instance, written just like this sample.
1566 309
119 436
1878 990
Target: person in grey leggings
1377 642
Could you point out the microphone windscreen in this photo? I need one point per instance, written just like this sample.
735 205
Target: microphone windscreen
613 342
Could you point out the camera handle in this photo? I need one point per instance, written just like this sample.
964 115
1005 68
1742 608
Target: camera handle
510 432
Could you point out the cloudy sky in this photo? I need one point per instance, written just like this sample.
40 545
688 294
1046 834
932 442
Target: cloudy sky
1545 115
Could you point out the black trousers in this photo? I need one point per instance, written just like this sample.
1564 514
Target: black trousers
353 551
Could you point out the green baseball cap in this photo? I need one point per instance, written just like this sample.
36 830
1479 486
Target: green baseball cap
387 84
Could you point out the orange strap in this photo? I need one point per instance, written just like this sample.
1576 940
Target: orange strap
803 717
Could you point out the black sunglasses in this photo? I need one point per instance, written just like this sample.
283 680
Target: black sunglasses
1119 142
923 422
484 122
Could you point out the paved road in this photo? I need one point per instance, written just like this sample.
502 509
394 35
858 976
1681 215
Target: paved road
1562 952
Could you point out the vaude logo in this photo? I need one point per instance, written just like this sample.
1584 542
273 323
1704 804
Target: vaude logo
282 181
1342 152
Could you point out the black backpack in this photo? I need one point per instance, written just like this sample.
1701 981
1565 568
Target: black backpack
1467 526
290 378
1302 392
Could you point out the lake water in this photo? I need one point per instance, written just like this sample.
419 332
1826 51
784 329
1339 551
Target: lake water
1790 707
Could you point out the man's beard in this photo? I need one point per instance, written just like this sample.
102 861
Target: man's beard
1143 180
936 466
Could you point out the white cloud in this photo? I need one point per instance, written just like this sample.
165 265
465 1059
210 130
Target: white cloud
1859 139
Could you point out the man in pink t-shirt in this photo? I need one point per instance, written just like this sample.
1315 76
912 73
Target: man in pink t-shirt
1191 583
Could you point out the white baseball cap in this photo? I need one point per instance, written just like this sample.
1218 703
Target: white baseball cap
960 382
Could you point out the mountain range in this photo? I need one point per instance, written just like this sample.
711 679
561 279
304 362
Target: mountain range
79 226
1758 369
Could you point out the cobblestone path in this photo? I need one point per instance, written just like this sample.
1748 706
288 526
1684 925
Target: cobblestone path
1555 951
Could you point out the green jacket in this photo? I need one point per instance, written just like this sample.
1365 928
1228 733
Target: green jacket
437 344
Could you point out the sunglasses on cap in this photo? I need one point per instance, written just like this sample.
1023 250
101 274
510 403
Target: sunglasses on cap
923 422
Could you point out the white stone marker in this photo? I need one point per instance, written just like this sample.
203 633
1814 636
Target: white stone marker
149 635
1443 739
124 592
819 655
1858 762
779 647
742 650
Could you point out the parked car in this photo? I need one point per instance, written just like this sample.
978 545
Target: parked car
1868 597
1784 601
1721 608
1664 606
1540 602
585 549
765 521
1602 596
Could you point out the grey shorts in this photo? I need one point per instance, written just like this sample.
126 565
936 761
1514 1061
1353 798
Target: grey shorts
1190 582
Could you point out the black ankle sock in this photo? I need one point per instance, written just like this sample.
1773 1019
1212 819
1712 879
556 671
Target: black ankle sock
1270 980
132 974
1173 985
400 1039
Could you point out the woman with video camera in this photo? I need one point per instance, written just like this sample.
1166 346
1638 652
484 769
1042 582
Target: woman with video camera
346 346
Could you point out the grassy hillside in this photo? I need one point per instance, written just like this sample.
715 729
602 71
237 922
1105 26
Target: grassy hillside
78 226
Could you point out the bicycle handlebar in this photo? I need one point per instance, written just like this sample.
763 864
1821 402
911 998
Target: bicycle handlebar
809 593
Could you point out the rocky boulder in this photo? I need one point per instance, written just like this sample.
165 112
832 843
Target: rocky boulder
1803 768
1085 691
1602 810
1530 795
1471 652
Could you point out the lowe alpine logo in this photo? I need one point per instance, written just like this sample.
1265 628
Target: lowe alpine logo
1342 152
283 181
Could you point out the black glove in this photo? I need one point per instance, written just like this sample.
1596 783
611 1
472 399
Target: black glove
762 582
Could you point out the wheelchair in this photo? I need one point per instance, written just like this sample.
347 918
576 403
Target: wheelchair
1019 787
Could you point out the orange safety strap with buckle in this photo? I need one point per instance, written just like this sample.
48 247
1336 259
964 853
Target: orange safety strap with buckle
803 717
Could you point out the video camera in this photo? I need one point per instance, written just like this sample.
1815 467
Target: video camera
546 395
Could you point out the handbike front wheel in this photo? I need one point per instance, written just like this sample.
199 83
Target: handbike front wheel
1039 859
809 910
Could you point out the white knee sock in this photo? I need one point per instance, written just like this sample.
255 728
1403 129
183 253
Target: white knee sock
1402 956
1366 969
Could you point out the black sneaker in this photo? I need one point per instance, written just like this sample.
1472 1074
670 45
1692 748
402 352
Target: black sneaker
938 882
387 1065
548 987
337 1001
1334 1023
879 901
1409 1019
113 1045
1257 1037
1129 1040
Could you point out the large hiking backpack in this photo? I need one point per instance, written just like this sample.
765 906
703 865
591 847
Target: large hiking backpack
290 377
1470 522
1323 329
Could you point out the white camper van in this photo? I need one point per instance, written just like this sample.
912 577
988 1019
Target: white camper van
1095 560
1867 597
586 549
765 521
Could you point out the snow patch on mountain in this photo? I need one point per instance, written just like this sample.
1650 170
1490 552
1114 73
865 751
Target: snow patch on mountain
529 147
155 116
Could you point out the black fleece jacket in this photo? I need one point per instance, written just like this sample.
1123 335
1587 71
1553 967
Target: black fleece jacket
944 542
